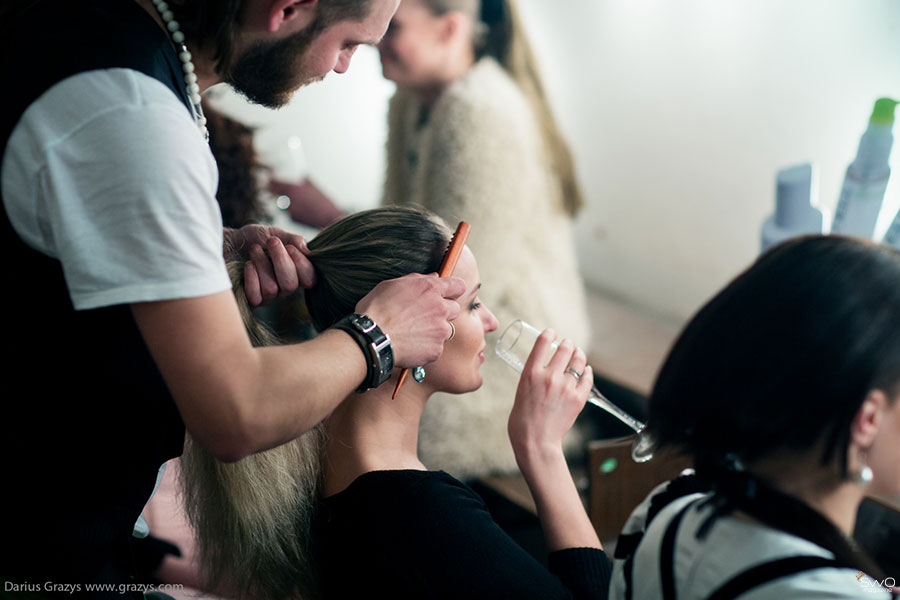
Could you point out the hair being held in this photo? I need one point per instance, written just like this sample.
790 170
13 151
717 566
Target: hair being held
252 518
249 516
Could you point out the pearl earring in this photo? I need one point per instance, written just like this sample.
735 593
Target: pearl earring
864 475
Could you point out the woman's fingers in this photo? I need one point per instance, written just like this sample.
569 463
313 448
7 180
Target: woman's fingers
567 361
550 395
562 356
538 356
585 384
576 365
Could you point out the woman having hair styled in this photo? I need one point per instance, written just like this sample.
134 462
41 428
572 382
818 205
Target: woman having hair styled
350 511
471 136
783 390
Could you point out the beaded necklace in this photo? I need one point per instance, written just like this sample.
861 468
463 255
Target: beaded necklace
190 77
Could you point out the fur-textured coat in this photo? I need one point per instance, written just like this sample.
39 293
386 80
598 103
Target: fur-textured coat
478 157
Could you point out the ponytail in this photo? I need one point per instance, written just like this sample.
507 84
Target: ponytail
252 518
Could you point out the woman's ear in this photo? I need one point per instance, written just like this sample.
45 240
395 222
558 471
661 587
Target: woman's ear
868 419
282 12
453 25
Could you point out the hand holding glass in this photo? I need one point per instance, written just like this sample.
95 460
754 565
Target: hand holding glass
515 345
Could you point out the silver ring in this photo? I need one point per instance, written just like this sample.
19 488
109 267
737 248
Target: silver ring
452 331
576 374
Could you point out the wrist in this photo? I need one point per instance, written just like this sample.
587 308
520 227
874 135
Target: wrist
385 325
532 454
375 346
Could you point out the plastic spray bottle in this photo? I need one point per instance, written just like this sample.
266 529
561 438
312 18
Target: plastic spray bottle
794 214
867 176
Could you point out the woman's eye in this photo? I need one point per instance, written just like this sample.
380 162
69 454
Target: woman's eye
475 306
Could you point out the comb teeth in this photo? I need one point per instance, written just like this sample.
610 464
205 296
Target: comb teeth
454 249
449 244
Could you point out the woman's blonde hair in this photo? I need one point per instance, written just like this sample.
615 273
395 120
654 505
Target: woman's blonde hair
503 37
253 518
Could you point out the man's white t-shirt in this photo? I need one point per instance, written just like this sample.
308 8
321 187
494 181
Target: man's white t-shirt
108 173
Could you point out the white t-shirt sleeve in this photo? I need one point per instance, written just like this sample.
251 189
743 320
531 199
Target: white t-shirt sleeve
108 173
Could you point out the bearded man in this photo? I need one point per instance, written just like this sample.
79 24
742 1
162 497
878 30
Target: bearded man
123 329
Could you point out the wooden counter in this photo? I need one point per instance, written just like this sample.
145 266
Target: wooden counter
628 346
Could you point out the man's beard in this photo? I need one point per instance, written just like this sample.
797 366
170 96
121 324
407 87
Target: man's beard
269 73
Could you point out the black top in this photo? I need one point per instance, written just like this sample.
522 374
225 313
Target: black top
91 419
423 534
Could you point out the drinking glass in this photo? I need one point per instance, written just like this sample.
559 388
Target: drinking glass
515 345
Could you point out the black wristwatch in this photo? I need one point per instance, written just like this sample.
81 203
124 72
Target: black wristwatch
376 346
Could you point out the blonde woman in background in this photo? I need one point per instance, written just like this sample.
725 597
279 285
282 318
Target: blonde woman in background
471 136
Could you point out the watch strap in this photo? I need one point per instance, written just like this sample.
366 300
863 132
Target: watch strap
375 345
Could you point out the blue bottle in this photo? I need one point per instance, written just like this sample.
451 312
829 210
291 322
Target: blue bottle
867 176
794 213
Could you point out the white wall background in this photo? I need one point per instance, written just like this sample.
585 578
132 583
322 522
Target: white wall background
679 113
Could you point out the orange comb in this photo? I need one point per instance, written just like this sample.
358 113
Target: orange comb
454 250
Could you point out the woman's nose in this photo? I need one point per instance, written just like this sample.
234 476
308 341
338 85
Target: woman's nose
490 323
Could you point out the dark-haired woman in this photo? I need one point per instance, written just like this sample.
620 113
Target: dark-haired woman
783 390
351 509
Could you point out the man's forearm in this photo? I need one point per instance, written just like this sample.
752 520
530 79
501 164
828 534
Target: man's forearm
236 399
303 384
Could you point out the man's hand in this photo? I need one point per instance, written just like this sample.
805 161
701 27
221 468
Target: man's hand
277 265
414 311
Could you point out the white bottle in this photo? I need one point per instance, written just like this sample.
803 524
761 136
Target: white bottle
867 176
794 213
